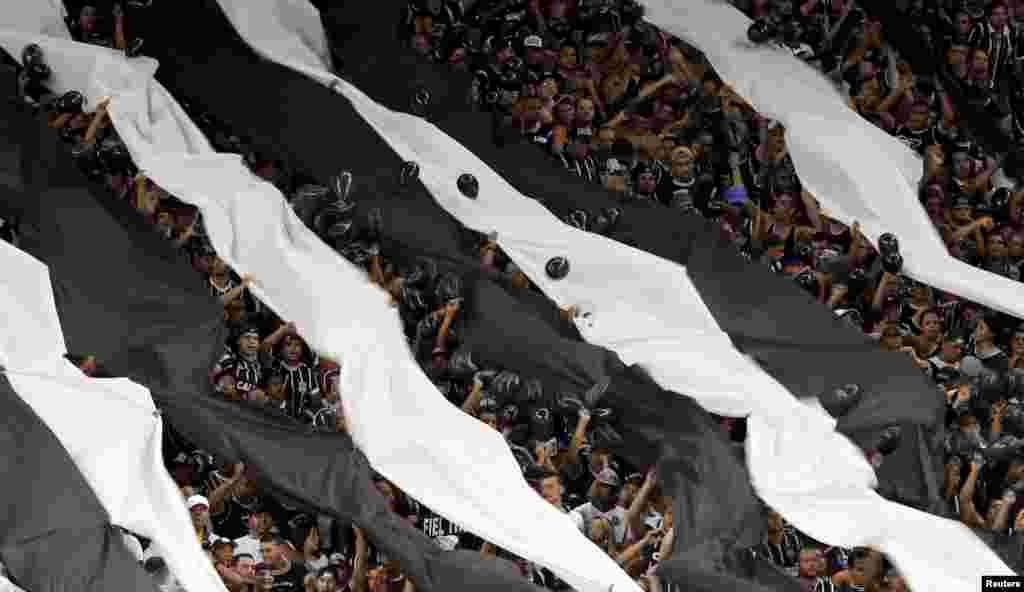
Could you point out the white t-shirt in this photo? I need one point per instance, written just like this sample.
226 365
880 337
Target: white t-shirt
251 545
616 516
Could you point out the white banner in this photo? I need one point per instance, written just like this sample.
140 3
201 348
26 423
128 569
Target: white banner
814 476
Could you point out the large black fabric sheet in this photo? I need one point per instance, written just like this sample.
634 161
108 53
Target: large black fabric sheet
295 119
55 535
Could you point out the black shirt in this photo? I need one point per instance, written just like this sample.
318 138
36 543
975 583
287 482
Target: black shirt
232 522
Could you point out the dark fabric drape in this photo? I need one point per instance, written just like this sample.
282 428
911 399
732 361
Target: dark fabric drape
55 535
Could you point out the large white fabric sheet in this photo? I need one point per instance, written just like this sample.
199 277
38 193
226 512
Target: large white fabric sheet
856 170
814 476
464 472
123 464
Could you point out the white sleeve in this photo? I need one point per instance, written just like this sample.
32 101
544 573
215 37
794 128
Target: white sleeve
577 519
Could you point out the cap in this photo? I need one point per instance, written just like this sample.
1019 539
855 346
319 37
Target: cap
533 41
198 500
608 477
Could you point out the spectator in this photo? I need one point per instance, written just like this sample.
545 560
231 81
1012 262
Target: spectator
287 575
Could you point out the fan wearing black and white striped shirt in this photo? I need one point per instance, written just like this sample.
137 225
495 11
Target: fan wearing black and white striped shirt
301 378
781 545
243 361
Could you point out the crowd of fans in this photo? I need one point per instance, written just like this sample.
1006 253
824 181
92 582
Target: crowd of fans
622 104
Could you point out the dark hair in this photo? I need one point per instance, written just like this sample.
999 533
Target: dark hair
244 556
548 474
274 538
996 4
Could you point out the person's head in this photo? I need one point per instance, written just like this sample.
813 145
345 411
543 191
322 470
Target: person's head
998 14
952 349
963 22
567 56
224 552
983 332
891 339
387 490
872 33
920 293
919 116
292 348
776 138
248 342
585 113
261 523
326 580
274 549
1017 342
956 55
549 87
605 138
565 112
997 246
87 18
199 511
711 85
646 182
166 217
604 488
664 150
490 418
809 562
962 212
1015 246
245 564
216 266
1015 472
551 488
682 162
870 93
234 311
967 423
931 324
630 489
614 86
600 532
980 59
784 207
